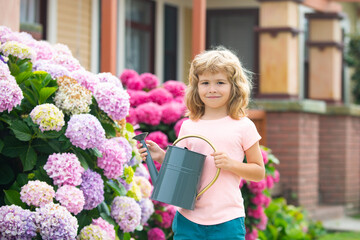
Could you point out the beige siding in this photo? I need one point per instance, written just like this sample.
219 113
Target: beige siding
74 28
187 42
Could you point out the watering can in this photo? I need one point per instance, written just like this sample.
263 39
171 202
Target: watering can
178 180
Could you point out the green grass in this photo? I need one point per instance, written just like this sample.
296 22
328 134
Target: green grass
341 236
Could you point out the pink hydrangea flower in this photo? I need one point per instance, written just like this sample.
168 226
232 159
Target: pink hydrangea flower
62 49
85 131
107 227
259 199
128 74
263 222
178 126
156 234
264 156
159 137
269 181
86 79
112 100
126 212
112 160
55 70
276 176
242 183
109 78
10 95
251 235
71 197
167 216
135 83
64 169
69 62
138 97
171 112
4 33
131 118
256 213
176 88
37 193
150 80
149 113
256 187
44 50
160 96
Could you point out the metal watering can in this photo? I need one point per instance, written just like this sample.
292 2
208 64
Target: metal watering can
178 179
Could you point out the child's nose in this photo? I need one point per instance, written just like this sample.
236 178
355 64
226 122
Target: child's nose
212 88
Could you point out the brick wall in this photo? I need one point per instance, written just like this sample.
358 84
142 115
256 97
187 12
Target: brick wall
340 160
293 137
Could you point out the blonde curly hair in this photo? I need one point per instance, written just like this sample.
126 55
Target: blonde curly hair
214 61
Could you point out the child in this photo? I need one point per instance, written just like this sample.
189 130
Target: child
216 97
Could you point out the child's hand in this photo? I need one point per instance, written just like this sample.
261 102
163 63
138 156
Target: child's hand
157 154
222 160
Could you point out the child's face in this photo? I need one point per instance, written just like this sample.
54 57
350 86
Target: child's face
214 90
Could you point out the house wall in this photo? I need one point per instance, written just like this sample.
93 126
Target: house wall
74 28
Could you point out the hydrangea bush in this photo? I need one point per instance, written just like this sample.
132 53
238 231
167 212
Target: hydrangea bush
69 168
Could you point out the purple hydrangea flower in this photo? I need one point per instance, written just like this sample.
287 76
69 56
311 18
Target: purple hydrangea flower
112 160
16 223
64 169
147 209
125 146
85 131
112 100
69 62
126 212
54 70
93 189
56 222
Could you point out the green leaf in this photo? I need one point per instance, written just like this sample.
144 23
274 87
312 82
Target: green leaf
108 218
103 208
21 77
42 146
28 159
119 191
109 129
29 95
36 86
50 134
6 174
1 145
13 147
96 152
14 69
54 144
45 93
21 130
22 179
82 160
14 198
129 127
126 236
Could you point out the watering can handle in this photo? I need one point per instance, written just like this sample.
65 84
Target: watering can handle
218 170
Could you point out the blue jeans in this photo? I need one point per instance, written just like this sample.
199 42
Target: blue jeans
185 229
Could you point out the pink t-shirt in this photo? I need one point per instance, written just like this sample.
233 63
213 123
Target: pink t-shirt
223 200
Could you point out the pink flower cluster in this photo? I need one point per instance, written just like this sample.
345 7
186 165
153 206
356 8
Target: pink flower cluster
156 234
107 227
85 131
160 138
109 78
64 169
10 93
112 100
71 197
167 216
177 89
133 81
112 160
85 78
37 193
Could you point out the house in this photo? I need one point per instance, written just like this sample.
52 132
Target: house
302 100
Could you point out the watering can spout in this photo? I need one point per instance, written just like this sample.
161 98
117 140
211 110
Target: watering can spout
149 162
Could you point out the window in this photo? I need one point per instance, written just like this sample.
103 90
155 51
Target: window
33 17
139 35
234 29
170 43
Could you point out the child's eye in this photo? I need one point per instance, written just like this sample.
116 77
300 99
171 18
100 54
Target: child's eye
221 83
204 83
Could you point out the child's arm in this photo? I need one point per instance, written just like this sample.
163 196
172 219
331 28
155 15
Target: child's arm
253 170
157 154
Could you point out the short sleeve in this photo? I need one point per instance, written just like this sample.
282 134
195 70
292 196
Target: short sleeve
250 136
